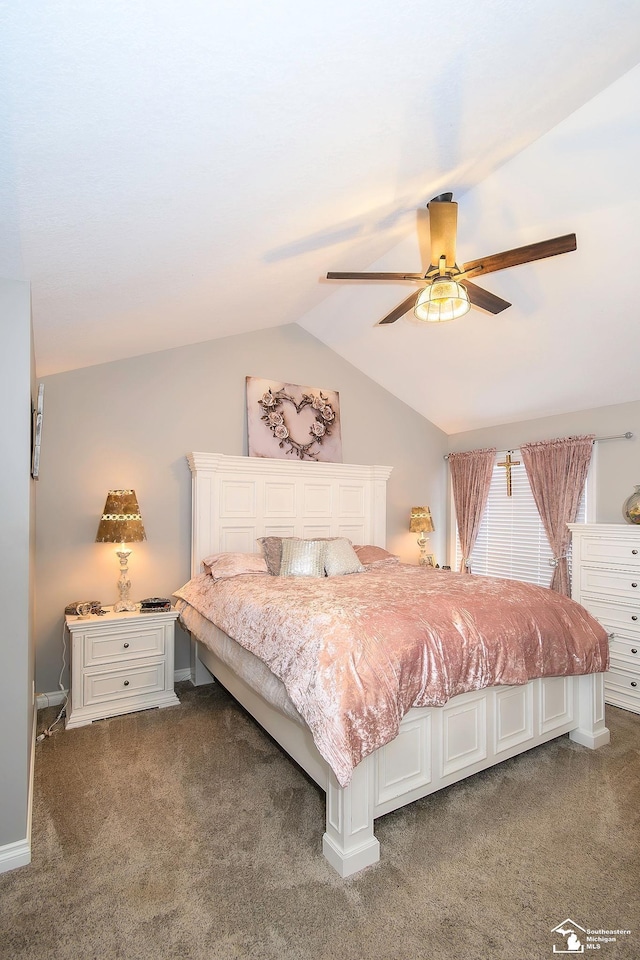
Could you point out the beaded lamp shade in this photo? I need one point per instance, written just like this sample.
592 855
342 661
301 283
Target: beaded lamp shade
121 521
421 521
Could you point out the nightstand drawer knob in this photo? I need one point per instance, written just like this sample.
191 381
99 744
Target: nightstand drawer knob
633 616
633 683
634 584
126 683
634 649
635 553
126 646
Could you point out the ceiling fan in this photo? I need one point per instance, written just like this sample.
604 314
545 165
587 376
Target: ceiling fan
446 290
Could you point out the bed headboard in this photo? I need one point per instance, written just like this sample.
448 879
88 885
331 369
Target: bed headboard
238 499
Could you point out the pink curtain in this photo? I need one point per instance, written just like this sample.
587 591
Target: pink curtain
557 471
471 478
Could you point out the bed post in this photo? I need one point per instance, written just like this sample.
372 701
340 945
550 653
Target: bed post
591 731
349 844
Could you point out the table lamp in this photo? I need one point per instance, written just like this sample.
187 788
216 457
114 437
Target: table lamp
421 522
121 523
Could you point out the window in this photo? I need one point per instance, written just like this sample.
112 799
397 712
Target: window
511 541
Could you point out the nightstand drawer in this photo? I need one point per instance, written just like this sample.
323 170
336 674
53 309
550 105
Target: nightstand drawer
616 618
621 553
610 583
128 642
133 681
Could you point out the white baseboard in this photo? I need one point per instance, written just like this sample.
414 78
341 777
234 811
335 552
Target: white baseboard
14 855
18 853
184 674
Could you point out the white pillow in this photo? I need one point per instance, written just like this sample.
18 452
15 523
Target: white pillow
340 558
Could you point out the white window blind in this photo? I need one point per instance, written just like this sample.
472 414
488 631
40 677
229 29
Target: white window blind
511 541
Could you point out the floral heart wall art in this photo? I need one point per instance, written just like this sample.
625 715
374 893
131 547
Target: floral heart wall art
287 420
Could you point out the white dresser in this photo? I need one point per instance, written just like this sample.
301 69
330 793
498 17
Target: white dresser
606 580
120 662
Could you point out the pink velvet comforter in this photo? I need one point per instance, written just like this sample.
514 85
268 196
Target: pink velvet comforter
356 652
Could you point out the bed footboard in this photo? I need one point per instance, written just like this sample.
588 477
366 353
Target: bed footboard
435 747
439 746
348 843
591 730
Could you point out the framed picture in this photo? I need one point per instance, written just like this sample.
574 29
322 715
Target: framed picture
428 560
286 420
36 432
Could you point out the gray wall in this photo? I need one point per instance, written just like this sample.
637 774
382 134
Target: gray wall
617 461
16 548
130 424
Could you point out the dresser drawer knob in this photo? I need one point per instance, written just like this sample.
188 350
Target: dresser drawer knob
634 616
634 584
635 553
634 649
126 646
633 683
126 683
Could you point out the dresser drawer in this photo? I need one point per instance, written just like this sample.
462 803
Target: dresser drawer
623 689
624 654
129 682
610 583
123 643
616 618
610 550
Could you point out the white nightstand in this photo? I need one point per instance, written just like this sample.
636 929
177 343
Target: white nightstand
120 662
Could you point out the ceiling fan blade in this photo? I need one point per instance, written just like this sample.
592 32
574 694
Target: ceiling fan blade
485 300
511 258
443 225
401 309
374 276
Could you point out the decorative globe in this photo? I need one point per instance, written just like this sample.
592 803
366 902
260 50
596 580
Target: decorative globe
631 508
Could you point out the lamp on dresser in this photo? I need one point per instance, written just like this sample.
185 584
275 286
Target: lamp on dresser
421 522
121 523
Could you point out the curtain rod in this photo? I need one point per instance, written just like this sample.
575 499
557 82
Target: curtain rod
620 436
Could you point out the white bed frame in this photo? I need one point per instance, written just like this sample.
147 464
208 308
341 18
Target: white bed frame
236 500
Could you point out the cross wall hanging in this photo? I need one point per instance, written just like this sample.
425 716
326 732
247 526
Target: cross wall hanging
508 463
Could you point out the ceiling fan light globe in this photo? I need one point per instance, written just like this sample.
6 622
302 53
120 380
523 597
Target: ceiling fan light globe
441 301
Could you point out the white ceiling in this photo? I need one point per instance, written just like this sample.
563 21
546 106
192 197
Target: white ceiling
177 172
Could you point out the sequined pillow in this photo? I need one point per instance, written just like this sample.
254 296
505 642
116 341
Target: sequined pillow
272 550
302 558
340 558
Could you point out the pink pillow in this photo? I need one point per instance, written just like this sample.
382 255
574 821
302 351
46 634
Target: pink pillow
221 566
369 554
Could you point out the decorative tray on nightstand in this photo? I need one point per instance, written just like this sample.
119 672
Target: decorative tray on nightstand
155 605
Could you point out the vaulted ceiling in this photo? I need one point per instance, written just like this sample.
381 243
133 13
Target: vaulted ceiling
177 172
